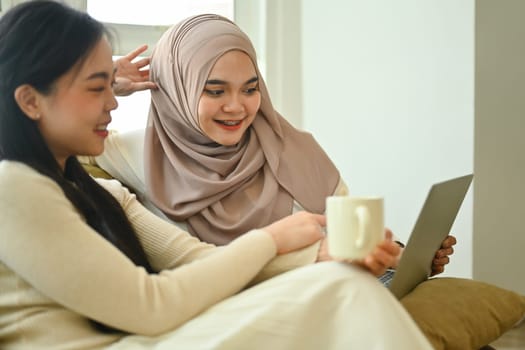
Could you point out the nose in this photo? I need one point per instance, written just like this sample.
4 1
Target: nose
111 103
235 104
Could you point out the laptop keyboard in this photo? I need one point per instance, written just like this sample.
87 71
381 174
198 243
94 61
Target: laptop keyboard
387 277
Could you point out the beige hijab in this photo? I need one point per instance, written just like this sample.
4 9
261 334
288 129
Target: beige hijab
220 191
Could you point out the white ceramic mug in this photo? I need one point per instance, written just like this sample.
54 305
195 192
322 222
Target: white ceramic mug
354 225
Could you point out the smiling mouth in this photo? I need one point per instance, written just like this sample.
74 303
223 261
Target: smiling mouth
230 125
229 122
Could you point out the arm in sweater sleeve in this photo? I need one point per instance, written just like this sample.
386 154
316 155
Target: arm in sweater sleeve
298 258
121 160
45 241
168 246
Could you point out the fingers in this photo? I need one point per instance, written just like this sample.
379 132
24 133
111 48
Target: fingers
377 263
125 87
437 270
440 261
442 256
147 85
373 266
320 219
296 231
389 246
384 256
135 53
444 252
446 248
143 62
448 242
322 253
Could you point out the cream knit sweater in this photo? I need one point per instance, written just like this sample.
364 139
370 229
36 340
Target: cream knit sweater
56 273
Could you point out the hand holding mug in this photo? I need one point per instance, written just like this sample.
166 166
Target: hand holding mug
384 256
356 233
354 225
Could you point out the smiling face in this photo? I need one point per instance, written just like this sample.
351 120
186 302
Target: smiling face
73 118
230 99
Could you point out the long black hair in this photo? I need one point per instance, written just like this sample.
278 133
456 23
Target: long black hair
40 41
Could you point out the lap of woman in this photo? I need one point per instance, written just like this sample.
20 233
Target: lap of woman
320 306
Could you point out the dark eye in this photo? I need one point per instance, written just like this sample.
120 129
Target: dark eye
252 90
98 89
213 92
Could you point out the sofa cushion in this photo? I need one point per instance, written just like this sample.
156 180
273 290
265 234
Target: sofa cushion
96 171
459 314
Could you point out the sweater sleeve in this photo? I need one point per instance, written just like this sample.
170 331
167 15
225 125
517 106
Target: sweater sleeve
168 246
298 258
45 241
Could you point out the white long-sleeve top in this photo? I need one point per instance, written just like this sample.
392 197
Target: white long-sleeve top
56 272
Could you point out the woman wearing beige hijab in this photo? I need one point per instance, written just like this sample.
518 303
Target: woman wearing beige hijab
220 169
218 159
238 167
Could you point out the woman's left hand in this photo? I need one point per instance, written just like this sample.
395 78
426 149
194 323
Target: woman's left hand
442 255
383 256
132 76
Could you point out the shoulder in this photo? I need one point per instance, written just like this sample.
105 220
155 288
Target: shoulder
117 190
17 178
10 168
26 193
341 189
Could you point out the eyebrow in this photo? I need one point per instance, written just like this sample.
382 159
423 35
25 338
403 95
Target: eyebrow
101 75
223 82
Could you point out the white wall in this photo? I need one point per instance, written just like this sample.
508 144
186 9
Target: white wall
388 92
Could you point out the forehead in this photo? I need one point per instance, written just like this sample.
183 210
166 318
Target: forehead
232 64
99 59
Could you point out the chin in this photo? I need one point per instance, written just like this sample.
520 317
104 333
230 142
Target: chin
227 141
232 143
93 152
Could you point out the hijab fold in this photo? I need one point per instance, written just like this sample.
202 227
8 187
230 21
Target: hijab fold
221 191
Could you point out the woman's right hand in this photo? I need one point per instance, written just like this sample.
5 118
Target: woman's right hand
132 76
296 231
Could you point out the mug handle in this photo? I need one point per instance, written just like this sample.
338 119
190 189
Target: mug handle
363 225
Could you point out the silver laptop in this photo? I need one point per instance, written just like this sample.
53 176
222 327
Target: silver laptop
432 226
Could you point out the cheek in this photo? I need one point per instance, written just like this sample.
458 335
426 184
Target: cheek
254 104
205 111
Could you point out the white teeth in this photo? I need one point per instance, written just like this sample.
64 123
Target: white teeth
101 128
229 122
